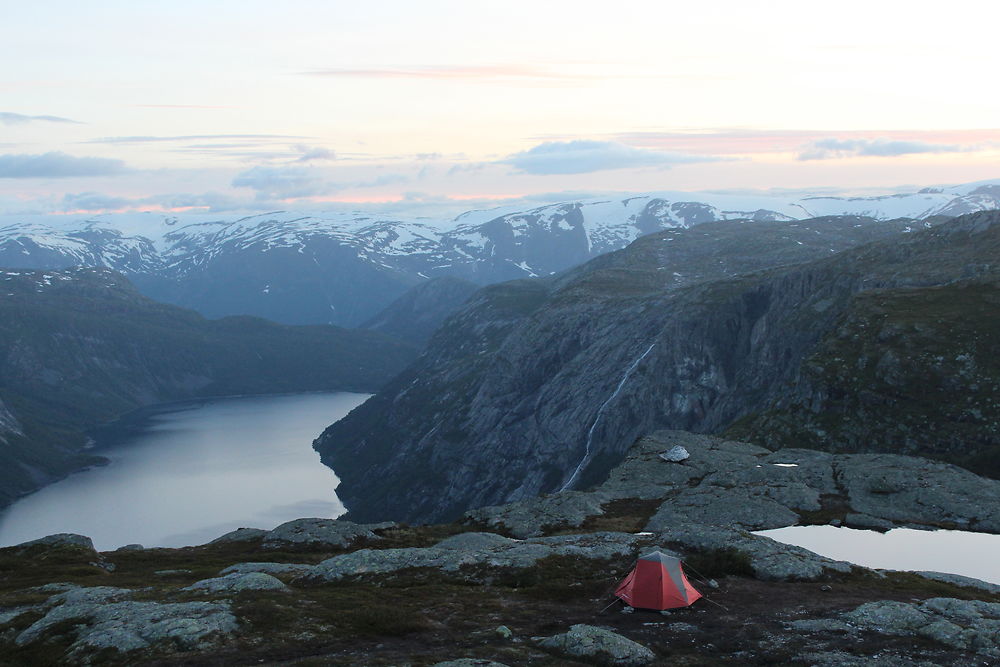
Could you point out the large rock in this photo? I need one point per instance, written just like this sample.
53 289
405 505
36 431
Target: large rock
967 625
60 540
320 533
598 645
237 583
267 568
959 580
455 552
98 618
241 535
469 662
532 517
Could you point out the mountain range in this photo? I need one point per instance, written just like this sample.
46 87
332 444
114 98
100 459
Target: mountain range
344 268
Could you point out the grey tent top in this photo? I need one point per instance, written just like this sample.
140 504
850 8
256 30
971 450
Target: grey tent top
672 566
660 557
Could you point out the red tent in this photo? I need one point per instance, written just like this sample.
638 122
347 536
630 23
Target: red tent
657 582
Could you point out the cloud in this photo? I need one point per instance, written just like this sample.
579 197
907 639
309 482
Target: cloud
142 139
212 201
582 156
487 73
10 118
828 149
181 106
284 182
384 179
93 201
747 141
314 153
57 165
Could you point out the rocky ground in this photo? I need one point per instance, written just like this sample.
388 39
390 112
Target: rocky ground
530 583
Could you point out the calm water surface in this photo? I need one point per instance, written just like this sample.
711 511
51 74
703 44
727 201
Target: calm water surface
957 552
187 473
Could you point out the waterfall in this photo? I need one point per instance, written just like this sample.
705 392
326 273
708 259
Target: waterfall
600 411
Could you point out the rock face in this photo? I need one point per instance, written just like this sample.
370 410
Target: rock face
536 386
911 371
600 646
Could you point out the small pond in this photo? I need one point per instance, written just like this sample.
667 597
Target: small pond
956 552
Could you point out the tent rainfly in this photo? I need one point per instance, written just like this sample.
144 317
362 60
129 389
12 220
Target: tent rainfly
657 582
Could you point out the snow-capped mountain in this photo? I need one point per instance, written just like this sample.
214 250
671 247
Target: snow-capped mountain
342 268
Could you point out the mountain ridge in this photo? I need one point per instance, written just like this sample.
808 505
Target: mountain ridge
343 268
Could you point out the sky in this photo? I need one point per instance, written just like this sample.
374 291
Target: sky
231 105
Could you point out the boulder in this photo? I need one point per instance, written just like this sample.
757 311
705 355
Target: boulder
675 454
60 540
533 516
267 568
598 645
240 535
469 662
320 533
237 583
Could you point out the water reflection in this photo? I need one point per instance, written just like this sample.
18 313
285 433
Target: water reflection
956 552
188 473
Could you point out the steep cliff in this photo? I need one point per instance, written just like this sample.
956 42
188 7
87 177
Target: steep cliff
535 386
909 370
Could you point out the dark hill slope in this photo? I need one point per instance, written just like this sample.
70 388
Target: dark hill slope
909 370
532 382
416 315
79 347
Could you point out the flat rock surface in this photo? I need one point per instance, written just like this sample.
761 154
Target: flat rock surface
474 549
267 568
98 618
739 485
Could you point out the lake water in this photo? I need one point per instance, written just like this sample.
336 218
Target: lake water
956 552
186 473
